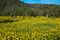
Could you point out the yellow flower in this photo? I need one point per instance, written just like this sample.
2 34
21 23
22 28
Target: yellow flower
8 37
17 38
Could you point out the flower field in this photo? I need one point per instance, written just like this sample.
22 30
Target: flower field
30 28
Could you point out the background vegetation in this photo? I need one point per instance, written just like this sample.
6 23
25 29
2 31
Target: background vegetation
19 8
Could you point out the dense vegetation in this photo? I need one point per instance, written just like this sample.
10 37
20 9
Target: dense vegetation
31 28
18 8
21 21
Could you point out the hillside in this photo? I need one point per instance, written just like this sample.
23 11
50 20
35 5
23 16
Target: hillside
43 9
17 7
6 6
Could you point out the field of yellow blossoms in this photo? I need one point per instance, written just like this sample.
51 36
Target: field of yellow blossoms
30 28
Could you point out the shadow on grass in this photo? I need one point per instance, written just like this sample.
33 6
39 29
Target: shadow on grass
8 21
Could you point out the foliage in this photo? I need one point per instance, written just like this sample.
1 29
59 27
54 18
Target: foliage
31 28
16 7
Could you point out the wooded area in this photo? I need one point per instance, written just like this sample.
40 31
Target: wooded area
19 8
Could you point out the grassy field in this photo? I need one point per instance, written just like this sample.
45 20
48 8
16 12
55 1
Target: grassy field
30 28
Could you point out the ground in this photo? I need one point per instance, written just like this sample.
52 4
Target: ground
29 28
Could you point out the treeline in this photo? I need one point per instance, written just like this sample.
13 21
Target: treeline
18 8
29 11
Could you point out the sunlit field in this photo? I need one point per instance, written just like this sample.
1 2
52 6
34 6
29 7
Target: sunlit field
29 28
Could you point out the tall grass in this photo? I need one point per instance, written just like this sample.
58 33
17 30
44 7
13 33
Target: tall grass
31 28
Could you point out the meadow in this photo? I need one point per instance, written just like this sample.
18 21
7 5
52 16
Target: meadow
30 28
